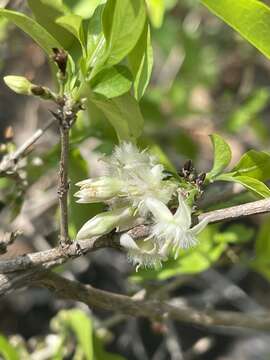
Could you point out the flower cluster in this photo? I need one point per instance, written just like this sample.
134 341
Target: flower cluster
135 189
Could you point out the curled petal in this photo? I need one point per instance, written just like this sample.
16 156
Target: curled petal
159 210
183 213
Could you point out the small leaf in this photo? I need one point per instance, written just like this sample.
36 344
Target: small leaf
112 82
141 62
156 9
254 164
73 24
249 17
123 22
252 184
222 155
45 13
124 114
45 40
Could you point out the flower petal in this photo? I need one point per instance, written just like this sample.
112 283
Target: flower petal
159 210
199 227
183 213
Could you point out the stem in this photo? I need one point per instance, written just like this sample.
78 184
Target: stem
63 184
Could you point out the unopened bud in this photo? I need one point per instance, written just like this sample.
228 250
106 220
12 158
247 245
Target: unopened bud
105 222
42 92
100 189
18 84
60 57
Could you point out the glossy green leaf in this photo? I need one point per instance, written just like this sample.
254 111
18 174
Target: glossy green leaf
112 82
33 29
7 350
141 62
222 155
156 9
252 184
46 12
249 17
124 114
74 24
254 164
123 22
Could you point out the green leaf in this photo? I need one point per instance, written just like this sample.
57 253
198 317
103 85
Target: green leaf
156 9
222 155
33 29
81 325
7 350
254 164
124 114
85 8
252 184
249 17
141 62
96 44
123 22
112 82
79 213
46 12
73 24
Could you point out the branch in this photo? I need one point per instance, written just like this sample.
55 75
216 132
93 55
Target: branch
153 309
59 255
9 162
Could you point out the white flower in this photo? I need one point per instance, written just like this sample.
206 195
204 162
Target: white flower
100 189
105 222
173 230
142 253
131 177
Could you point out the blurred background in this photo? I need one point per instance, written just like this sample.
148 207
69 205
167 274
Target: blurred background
205 80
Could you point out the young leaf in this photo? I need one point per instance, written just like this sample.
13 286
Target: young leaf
254 164
222 155
249 17
141 62
73 24
124 114
45 40
46 12
252 184
112 82
123 22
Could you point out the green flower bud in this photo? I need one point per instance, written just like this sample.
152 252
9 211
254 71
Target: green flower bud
18 84
105 222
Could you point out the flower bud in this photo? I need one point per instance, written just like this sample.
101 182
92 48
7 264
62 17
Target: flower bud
18 84
100 189
105 222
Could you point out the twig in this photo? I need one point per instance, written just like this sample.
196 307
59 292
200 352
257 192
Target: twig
63 184
57 256
233 212
9 161
153 309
